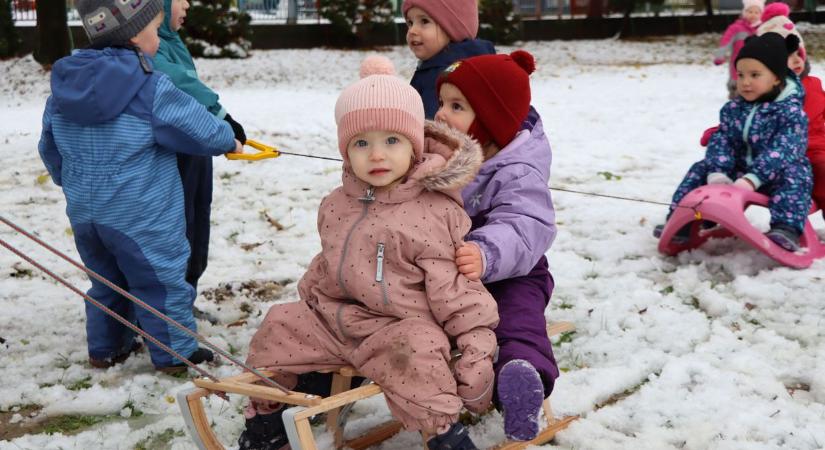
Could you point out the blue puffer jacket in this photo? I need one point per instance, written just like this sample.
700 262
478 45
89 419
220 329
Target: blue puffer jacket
761 139
110 130
428 71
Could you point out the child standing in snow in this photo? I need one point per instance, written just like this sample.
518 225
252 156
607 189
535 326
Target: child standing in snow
384 294
174 59
734 38
761 140
509 202
439 33
110 130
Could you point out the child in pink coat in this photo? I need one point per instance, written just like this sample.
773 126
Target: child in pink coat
734 38
384 294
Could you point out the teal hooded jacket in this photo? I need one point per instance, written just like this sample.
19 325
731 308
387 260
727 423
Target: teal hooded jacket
174 59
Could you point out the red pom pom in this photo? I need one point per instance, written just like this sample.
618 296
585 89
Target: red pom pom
524 60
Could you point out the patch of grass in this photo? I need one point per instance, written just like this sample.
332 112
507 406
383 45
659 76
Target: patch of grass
566 337
72 424
159 440
667 290
135 411
565 305
81 384
609 176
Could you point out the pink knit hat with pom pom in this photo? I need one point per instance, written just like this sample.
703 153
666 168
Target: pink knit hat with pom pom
775 20
458 18
380 101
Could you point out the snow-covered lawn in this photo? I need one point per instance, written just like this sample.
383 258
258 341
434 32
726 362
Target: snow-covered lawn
719 348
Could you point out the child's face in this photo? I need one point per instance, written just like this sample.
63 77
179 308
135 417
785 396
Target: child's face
380 158
755 80
424 37
454 109
752 14
179 8
147 40
796 63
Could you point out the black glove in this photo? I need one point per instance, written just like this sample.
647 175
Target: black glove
236 128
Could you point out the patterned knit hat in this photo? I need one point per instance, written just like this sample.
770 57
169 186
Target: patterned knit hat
114 22
775 20
458 18
380 101
498 89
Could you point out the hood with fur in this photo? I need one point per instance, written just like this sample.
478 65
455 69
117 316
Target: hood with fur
450 161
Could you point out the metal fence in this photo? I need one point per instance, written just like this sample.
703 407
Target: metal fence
290 11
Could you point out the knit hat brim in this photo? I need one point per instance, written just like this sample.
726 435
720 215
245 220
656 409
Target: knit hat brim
110 23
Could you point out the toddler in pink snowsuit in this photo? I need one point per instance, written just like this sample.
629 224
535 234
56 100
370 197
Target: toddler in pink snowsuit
734 38
384 294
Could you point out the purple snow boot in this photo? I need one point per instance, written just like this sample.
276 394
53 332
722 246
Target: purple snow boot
520 393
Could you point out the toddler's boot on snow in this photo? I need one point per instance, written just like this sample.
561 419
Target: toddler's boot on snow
264 432
109 362
785 237
200 355
456 438
520 393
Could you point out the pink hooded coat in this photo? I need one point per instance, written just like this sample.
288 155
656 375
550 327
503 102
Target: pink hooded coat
385 296
732 41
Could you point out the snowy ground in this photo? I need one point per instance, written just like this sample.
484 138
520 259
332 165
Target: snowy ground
719 348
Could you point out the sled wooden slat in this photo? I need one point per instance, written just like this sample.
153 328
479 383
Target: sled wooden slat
305 406
257 391
375 436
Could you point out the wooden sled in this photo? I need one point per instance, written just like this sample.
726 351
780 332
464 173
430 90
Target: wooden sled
725 205
305 406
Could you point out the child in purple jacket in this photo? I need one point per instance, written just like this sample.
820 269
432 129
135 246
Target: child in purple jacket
488 97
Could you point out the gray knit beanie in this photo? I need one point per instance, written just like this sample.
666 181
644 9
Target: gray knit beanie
114 22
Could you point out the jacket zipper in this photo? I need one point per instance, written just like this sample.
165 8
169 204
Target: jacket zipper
379 272
366 200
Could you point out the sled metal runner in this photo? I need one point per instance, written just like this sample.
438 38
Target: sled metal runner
725 205
301 407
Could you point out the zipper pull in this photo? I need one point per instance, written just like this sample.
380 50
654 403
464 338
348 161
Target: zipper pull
370 196
379 261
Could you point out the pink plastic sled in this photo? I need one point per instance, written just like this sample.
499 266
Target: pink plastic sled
726 205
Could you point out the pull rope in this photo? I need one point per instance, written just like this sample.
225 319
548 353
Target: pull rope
696 213
133 299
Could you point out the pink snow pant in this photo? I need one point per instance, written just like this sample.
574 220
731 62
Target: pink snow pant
409 359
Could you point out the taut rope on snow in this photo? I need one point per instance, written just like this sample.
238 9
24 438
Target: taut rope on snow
133 299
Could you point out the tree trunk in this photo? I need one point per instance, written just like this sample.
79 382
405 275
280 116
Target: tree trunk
709 8
53 40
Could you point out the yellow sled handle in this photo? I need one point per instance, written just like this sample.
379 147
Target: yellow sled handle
264 152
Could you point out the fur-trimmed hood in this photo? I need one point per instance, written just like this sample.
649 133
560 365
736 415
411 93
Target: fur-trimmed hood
450 161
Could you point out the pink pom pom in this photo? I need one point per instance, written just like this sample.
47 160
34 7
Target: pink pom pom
775 9
377 65
524 60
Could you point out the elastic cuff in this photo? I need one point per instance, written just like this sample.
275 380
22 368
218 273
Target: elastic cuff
221 114
757 183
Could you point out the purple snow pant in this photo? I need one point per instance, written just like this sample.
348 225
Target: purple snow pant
522 328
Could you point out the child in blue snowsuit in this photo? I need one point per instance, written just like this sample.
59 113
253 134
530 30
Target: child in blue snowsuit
110 128
762 139
174 59
439 33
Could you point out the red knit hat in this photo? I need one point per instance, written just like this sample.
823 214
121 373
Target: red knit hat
498 89
458 18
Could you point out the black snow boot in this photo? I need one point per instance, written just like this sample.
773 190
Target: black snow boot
456 438
198 356
264 432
